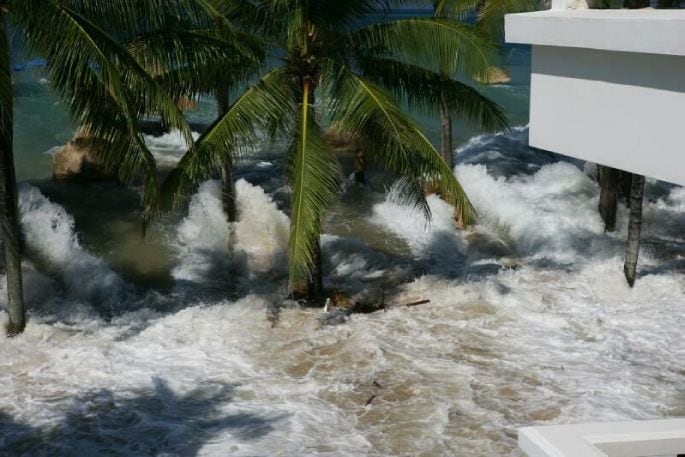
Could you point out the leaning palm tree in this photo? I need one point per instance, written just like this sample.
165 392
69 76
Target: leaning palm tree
335 52
229 59
488 15
104 88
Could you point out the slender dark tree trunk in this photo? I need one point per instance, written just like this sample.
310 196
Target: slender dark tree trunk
446 124
9 214
315 283
609 179
634 227
360 167
228 192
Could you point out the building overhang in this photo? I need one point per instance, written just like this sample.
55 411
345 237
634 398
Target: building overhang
608 86
643 31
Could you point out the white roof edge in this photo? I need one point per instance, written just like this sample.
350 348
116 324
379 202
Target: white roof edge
642 31
656 437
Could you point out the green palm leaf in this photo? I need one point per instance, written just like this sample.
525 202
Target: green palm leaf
489 13
425 91
193 62
314 176
392 138
267 103
442 45
107 89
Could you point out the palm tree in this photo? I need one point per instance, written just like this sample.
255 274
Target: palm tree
488 16
104 88
8 190
229 59
335 51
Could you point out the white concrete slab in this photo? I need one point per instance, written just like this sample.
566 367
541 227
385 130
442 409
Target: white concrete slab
645 31
623 439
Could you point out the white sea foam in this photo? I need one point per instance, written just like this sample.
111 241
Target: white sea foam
551 214
168 148
208 244
558 339
51 237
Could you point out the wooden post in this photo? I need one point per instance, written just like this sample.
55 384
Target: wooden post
9 213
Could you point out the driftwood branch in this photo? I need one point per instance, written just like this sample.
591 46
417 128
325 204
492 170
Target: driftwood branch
417 303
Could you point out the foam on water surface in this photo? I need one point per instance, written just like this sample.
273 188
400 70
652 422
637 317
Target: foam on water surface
211 250
50 235
169 147
550 334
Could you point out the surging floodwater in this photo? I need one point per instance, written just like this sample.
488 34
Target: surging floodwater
530 322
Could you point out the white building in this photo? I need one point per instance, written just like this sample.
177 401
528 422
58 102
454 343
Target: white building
607 86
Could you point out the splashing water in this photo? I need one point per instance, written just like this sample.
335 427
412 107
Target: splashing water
169 147
210 248
530 321
50 234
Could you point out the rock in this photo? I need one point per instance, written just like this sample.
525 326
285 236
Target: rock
493 76
338 300
339 304
186 104
78 160
341 140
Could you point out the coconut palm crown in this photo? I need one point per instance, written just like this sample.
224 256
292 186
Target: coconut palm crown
362 64
105 90
489 14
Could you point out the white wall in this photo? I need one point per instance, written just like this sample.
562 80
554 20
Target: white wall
621 109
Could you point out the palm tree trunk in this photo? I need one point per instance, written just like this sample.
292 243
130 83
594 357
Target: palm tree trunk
446 123
315 284
228 192
9 214
360 167
315 281
608 198
634 228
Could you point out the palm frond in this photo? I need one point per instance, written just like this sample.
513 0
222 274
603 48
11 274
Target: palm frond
392 138
491 14
107 91
442 45
455 9
268 103
314 176
190 62
428 91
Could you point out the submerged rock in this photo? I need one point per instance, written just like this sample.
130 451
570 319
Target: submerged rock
494 76
78 160
341 140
